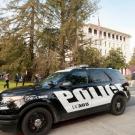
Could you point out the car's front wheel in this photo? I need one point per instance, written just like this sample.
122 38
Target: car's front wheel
38 121
118 105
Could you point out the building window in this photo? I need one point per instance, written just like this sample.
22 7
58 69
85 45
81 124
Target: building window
113 36
124 38
90 30
120 37
95 32
117 37
104 34
109 35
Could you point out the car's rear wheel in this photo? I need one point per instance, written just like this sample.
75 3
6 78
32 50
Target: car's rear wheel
118 105
38 121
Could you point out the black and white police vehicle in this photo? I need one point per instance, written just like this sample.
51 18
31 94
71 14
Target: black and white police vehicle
64 95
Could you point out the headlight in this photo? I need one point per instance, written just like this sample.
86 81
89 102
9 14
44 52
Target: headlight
9 99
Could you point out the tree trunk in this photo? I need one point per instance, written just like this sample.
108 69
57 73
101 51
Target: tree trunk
62 36
31 44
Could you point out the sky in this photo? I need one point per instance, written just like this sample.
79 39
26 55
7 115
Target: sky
118 15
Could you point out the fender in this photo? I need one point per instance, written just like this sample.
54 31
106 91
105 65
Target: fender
38 103
120 93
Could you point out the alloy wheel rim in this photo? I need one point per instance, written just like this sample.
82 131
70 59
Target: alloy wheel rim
37 122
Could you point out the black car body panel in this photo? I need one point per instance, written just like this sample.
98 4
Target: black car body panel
88 96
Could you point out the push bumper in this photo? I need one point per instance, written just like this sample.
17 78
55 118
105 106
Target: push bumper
8 123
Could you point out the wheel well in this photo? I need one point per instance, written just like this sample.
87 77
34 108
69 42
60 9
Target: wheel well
30 107
119 93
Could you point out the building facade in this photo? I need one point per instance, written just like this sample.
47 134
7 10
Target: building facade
105 39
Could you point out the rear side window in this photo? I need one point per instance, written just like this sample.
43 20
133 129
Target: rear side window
97 76
115 75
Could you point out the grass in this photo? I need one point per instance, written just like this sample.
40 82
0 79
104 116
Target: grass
12 84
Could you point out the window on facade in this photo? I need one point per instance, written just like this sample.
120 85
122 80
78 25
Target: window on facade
104 34
109 35
95 32
117 37
90 30
98 76
78 77
124 38
113 36
120 37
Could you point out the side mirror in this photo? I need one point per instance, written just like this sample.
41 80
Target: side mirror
65 85
51 84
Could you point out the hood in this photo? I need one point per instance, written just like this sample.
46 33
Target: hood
19 90
16 97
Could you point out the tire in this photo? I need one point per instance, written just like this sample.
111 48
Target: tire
118 105
38 121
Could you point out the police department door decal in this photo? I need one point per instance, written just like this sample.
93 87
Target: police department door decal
83 99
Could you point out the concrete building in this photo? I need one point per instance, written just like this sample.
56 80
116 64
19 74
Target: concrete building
105 39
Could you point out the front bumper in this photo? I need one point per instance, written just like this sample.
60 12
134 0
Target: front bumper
8 123
128 95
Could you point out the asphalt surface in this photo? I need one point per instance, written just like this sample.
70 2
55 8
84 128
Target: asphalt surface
101 123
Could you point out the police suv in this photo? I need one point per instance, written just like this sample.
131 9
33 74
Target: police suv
64 95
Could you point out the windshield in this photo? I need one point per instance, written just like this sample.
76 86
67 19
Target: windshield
54 78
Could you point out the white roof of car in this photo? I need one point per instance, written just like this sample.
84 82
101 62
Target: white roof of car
71 68
65 70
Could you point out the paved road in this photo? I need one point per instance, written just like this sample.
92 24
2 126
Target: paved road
103 124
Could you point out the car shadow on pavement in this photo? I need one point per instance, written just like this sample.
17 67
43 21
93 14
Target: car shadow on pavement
78 120
73 121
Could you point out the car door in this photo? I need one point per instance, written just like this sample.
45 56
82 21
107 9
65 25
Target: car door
75 98
99 87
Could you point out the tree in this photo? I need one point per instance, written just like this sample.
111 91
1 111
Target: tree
132 61
115 59
47 60
42 29
13 53
23 19
69 16
2 62
90 56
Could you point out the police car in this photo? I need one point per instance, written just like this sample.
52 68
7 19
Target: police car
64 95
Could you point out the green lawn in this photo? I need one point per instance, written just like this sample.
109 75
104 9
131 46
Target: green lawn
11 85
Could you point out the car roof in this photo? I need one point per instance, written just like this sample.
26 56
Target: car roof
82 67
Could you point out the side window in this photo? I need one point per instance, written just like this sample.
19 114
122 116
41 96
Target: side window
115 75
78 77
98 76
